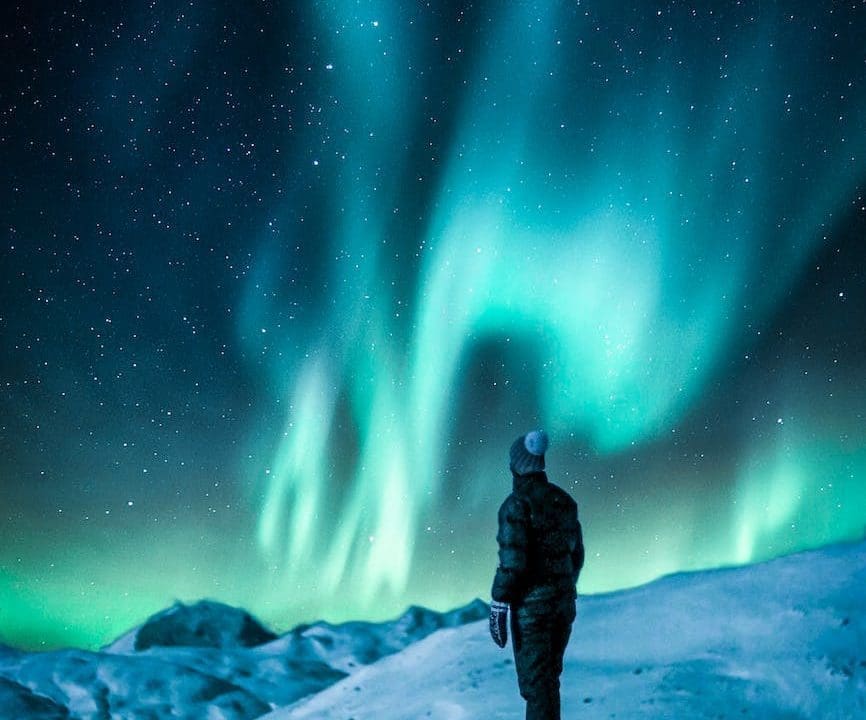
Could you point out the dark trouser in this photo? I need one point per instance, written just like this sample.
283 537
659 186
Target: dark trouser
540 628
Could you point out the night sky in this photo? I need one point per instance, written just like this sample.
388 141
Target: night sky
281 282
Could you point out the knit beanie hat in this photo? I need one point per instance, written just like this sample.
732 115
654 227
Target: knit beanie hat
527 452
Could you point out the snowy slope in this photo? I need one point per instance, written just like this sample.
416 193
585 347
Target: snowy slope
785 639
350 645
206 660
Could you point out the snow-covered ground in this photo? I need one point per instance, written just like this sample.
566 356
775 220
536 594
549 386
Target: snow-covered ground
784 639
206 660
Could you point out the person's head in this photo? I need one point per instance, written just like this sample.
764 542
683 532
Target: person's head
527 452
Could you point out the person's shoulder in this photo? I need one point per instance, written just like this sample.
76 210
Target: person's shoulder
513 506
562 494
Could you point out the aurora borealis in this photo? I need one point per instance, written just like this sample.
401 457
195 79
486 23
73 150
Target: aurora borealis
281 282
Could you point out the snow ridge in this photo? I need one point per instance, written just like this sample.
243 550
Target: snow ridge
206 660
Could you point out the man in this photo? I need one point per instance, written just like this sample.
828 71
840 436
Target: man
540 557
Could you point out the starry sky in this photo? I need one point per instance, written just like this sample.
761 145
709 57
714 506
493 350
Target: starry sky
281 282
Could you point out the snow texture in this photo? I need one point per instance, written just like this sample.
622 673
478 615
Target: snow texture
784 639
780 640
200 661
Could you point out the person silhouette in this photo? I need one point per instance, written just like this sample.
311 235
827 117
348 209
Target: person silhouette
541 555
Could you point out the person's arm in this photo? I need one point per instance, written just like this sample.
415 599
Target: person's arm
578 555
513 539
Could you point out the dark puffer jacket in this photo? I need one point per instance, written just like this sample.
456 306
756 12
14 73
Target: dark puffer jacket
540 540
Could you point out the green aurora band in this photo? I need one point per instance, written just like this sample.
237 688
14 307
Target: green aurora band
616 238
398 235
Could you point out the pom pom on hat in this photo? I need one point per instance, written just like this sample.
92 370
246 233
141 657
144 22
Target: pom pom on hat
536 442
527 452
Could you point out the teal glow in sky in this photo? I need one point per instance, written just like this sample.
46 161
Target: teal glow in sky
622 224
282 284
